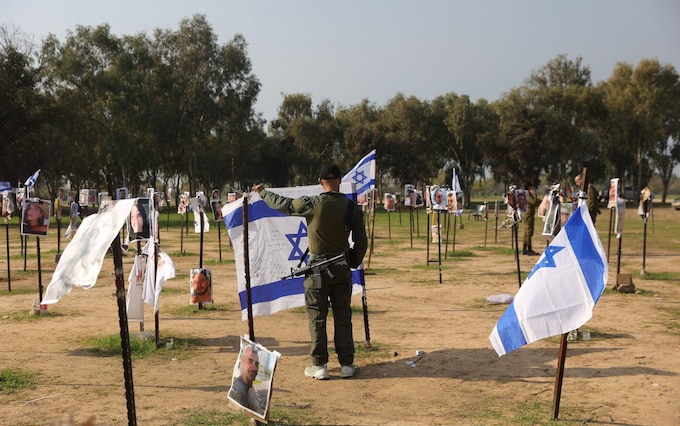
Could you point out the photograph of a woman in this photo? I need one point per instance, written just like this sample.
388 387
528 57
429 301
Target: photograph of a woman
36 217
138 222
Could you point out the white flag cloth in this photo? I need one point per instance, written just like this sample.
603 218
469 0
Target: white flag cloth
363 174
134 301
561 290
455 183
276 243
197 217
81 261
165 271
31 179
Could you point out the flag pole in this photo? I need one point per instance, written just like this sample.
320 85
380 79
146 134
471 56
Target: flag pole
562 356
40 285
246 262
122 319
439 243
9 268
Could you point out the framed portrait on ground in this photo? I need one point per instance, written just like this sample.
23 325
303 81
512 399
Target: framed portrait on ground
35 217
139 220
200 285
252 378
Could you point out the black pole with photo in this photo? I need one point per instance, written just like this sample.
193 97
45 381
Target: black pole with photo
123 322
515 234
611 229
181 235
410 219
389 225
447 219
9 268
439 243
495 213
200 256
24 247
643 271
563 341
618 259
486 221
246 261
219 240
40 284
417 224
139 251
453 243
156 316
58 237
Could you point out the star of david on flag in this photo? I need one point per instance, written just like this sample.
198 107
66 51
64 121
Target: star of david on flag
363 174
31 179
562 289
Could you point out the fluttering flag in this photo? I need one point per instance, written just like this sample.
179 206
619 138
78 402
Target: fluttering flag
276 243
81 261
31 179
363 174
561 290
455 183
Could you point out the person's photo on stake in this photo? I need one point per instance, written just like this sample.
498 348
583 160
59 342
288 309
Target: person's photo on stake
231 197
521 197
216 206
251 380
36 218
201 286
242 390
139 220
182 204
438 198
451 202
389 202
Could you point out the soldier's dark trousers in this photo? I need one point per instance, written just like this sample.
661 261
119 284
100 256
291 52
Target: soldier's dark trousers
339 290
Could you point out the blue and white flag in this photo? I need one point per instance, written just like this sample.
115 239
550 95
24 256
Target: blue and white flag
363 174
455 183
276 243
31 180
561 290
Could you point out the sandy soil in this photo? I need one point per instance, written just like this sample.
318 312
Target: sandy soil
626 374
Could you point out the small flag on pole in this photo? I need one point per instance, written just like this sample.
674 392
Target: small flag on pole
561 290
31 180
363 174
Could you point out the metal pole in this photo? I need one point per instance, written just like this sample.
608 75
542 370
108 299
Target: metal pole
122 319
9 269
246 261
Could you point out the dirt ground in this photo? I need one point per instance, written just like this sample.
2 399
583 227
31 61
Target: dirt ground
626 374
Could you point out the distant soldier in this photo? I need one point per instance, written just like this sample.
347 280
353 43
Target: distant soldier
592 201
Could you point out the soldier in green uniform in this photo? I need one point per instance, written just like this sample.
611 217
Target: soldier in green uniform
592 200
528 219
330 216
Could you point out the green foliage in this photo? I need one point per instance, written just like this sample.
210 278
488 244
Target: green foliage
139 347
13 380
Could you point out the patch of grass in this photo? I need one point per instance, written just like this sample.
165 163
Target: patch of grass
13 380
17 291
174 290
218 262
461 253
190 310
139 348
661 276
377 350
293 415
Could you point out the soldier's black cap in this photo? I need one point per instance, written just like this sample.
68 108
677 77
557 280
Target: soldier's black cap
329 171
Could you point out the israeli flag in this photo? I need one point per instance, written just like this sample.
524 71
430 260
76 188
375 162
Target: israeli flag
31 180
561 290
363 174
276 243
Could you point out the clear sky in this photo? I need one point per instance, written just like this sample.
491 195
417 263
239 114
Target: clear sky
349 50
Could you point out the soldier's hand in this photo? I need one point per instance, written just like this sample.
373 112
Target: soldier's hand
259 187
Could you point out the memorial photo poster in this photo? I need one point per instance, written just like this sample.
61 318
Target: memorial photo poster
252 378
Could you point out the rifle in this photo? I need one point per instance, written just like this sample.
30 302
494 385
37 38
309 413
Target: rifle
316 268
